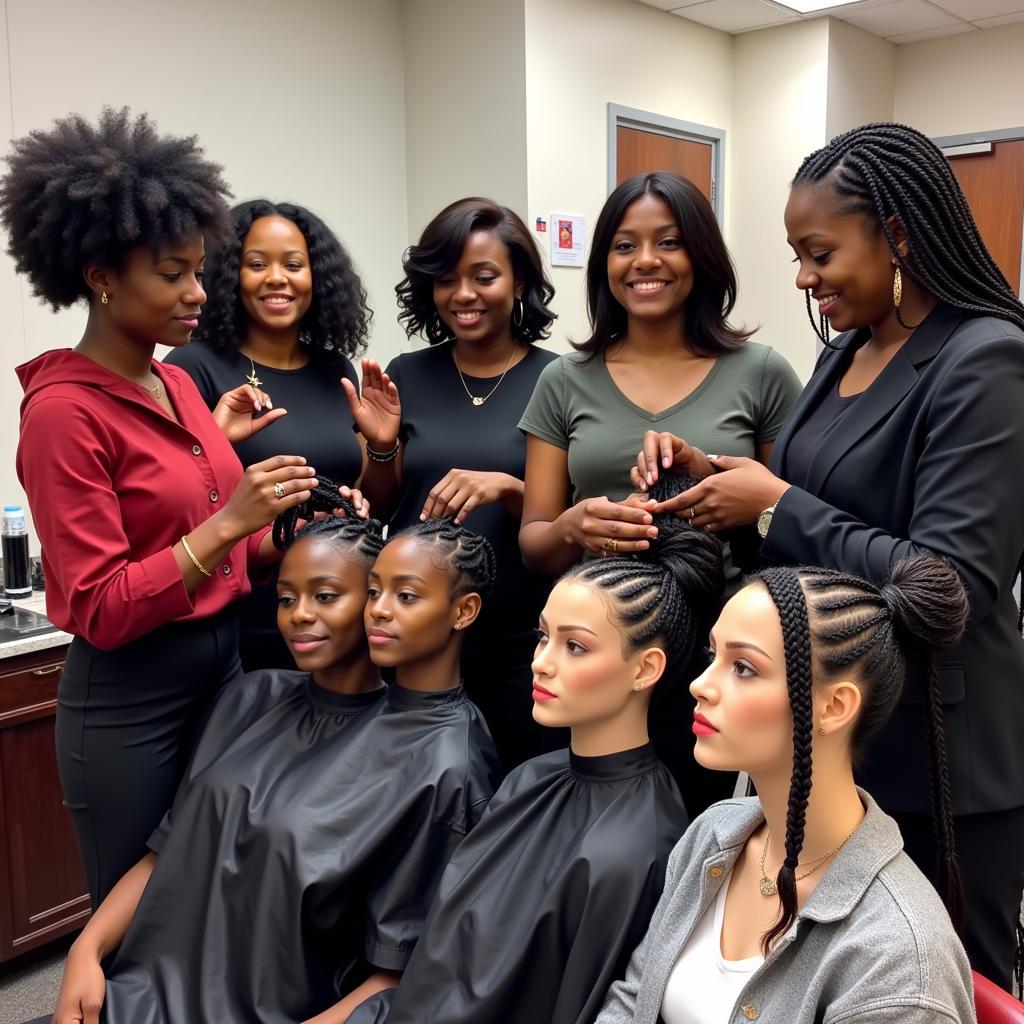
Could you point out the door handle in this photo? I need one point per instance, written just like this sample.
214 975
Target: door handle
47 671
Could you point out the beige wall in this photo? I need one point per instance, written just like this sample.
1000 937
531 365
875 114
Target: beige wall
303 101
465 101
582 55
780 87
965 83
861 78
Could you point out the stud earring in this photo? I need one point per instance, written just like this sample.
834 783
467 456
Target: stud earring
458 625
821 730
104 298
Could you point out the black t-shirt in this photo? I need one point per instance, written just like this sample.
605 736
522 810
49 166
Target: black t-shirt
318 426
442 430
808 438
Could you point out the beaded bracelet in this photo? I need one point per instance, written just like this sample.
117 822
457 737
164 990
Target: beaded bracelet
387 456
195 561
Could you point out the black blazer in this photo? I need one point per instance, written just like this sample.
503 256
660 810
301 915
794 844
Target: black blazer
929 459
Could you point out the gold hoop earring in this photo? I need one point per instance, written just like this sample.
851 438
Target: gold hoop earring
104 298
517 306
897 288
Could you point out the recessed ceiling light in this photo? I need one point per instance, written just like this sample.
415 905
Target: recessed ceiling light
812 6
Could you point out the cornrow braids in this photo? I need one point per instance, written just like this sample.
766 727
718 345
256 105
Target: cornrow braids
786 593
882 634
465 554
890 170
669 594
350 531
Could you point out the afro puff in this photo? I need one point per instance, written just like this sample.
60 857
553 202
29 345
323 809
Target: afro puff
84 193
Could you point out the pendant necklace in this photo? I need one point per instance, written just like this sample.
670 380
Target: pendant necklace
479 400
767 885
251 378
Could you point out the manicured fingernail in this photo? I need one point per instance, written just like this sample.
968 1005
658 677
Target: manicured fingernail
423 517
643 545
650 479
712 456
666 461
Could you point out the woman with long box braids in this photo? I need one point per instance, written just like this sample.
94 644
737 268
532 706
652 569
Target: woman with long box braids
908 439
799 904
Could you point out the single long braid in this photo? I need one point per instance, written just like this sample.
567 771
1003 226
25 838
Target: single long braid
881 634
891 170
788 596
466 555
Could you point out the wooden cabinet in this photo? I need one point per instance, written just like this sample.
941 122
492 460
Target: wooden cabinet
42 888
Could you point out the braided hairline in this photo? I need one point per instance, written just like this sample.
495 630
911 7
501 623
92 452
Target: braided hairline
470 555
364 535
890 169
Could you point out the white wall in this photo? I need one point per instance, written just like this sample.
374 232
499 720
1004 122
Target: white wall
861 78
965 83
302 101
780 88
581 55
465 101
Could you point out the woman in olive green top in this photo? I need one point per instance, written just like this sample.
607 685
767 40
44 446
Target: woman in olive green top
661 356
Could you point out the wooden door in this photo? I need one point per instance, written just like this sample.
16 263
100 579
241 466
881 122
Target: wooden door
994 185
639 152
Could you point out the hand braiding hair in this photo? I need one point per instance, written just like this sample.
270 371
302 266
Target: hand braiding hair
892 170
844 623
467 555
364 535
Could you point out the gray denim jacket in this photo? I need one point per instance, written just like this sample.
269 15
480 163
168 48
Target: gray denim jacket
872 944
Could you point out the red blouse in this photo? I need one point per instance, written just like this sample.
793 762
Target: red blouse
113 483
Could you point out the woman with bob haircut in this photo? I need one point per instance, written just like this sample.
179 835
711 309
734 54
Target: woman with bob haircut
661 355
147 522
476 289
287 311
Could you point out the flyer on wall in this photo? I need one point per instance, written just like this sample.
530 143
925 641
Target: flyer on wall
568 235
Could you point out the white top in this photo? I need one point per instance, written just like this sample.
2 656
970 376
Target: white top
703 986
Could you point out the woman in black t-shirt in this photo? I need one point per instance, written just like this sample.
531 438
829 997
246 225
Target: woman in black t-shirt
286 312
475 287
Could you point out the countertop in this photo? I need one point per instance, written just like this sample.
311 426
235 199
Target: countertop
38 642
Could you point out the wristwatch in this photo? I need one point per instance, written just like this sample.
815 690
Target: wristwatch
764 521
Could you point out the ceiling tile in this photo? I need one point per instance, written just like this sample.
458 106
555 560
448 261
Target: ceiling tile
900 17
1006 19
932 33
665 5
978 10
736 15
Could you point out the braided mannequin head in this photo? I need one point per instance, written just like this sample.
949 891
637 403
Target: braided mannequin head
837 626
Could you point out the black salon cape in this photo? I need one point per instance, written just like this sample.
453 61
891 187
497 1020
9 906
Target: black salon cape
541 906
305 845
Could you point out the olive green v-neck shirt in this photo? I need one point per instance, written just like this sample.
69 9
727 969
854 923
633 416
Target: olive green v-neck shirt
576 406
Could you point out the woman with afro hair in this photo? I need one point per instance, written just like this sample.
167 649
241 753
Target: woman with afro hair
287 311
138 499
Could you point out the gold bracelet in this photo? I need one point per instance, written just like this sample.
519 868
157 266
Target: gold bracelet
195 561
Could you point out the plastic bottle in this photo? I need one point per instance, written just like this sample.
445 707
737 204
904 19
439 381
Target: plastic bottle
17 578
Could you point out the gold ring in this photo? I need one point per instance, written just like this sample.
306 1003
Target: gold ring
279 490
690 513
610 545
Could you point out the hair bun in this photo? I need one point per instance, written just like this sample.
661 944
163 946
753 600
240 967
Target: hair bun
927 601
692 556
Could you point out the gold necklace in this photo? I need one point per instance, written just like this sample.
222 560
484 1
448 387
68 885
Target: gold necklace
477 399
155 392
252 378
768 886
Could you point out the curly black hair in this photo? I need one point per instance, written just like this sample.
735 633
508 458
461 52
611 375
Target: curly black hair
338 318
439 249
84 193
